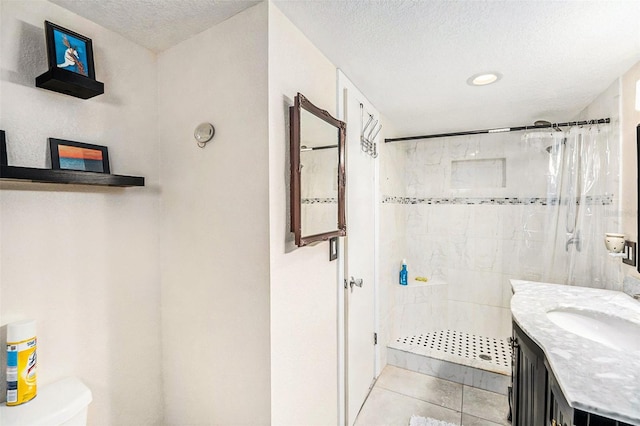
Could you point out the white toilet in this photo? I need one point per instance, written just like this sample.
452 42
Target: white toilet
63 403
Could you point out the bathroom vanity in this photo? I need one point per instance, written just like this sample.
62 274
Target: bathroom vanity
576 356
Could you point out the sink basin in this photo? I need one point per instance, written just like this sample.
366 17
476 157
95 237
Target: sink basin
613 332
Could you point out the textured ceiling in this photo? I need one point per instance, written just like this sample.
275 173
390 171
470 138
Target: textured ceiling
412 58
156 24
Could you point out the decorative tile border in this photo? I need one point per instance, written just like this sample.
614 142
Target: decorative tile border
319 201
603 200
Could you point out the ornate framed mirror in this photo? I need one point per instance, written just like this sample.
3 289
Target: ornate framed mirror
317 146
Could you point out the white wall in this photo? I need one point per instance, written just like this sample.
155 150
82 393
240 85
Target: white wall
628 185
83 261
215 225
304 285
204 241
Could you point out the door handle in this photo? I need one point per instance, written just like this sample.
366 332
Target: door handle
354 282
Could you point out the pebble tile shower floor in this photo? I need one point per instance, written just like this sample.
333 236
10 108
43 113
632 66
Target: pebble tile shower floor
464 345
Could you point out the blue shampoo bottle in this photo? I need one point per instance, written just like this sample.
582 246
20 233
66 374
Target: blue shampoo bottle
403 273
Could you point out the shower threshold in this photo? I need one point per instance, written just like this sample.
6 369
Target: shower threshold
473 360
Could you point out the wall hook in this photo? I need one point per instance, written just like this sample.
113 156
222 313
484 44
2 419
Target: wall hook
368 134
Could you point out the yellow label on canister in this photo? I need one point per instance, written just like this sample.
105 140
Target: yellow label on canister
21 371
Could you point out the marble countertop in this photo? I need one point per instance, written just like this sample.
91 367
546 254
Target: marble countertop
592 376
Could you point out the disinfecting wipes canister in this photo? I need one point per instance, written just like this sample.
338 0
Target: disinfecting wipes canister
21 362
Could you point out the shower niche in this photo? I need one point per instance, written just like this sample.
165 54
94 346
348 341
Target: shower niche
476 174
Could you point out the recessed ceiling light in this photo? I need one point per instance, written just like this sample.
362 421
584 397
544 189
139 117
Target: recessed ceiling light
484 78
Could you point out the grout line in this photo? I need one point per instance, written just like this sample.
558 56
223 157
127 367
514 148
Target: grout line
482 417
481 304
462 404
428 375
421 400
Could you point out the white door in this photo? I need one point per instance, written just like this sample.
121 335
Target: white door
359 249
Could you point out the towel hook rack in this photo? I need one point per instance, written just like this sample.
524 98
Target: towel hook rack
368 134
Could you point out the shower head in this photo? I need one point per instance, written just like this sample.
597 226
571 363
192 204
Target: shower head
556 145
545 124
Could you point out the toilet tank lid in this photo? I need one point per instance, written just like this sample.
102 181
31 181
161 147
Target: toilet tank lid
55 404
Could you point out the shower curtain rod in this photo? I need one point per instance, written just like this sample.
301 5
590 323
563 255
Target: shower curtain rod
501 130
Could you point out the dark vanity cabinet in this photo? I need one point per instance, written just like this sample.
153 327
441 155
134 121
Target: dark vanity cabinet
529 381
559 412
536 396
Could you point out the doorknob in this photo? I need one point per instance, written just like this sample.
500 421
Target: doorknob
357 283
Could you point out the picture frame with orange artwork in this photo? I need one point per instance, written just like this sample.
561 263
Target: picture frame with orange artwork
71 155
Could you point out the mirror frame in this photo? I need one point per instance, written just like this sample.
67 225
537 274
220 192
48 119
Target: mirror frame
301 102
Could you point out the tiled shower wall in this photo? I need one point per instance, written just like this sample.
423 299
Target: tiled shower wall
463 227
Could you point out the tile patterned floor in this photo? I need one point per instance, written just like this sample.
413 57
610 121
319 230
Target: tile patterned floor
398 394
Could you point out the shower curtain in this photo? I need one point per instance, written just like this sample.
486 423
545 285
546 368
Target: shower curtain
569 207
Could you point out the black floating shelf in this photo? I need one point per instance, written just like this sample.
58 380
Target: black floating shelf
68 176
69 83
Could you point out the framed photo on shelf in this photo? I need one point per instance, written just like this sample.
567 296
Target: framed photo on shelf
70 155
69 50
